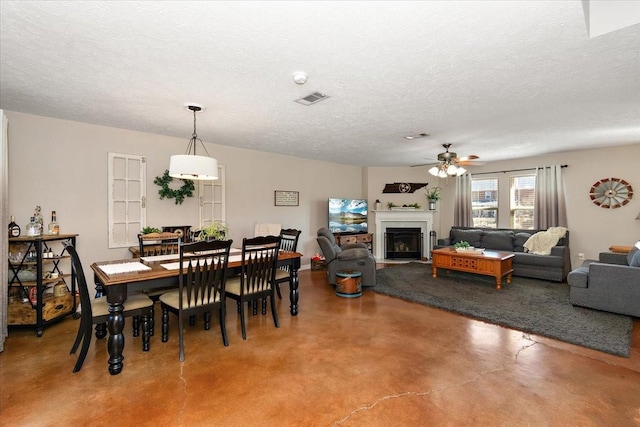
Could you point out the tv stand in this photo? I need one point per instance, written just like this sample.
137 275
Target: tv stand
351 238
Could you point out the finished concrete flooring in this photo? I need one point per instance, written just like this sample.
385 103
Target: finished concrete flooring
369 361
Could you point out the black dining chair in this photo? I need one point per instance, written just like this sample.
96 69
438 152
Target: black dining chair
96 311
257 277
289 242
201 287
156 244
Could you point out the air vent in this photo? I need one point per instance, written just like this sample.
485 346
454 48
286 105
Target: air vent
312 99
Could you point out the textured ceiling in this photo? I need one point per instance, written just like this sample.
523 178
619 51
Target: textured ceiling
498 79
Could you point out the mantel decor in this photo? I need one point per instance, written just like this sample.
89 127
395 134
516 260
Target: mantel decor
187 189
286 198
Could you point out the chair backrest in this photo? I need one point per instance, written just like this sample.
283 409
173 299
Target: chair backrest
289 239
76 265
204 272
259 263
159 244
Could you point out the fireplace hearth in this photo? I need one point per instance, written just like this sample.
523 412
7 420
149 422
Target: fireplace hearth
403 243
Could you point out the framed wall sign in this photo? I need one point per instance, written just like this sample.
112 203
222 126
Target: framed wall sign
286 198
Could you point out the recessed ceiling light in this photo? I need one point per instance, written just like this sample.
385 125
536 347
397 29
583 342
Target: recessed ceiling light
412 137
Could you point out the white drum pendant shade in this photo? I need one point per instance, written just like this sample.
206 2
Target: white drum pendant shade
191 166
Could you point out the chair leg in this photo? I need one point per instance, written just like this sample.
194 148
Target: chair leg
79 336
223 324
254 307
274 311
85 346
207 320
152 319
242 323
181 334
192 320
165 324
136 325
264 306
278 290
145 331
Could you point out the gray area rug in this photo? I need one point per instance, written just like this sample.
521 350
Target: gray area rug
529 305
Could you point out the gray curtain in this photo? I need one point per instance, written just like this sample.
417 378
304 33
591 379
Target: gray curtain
550 209
462 213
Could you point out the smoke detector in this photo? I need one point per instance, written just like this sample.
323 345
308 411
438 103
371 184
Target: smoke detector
300 78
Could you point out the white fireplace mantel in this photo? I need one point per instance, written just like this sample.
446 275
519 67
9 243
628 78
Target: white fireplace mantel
402 219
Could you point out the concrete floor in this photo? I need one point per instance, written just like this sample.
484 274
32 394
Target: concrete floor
370 361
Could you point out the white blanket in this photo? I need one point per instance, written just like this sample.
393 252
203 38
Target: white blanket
542 242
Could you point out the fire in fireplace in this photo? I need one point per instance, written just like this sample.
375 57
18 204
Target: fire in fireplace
405 243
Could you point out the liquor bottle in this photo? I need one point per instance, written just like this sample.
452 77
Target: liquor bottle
33 228
14 229
54 228
38 220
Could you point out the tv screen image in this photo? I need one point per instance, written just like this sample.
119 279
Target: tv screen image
348 215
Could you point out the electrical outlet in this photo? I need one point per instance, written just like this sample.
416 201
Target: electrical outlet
580 255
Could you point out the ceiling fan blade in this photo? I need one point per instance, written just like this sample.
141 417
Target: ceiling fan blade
424 164
466 158
471 163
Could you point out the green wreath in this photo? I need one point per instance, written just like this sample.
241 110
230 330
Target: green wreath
165 191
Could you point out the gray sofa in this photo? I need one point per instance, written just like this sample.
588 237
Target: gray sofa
612 283
349 257
555 266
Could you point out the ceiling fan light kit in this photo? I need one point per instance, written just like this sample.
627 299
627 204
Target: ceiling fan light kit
449 164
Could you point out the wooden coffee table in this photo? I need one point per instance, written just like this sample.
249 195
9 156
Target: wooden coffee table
489 263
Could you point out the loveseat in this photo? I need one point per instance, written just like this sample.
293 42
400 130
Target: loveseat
612 283
350 257
555 266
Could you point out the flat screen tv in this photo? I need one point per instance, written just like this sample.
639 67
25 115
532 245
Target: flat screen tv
348 215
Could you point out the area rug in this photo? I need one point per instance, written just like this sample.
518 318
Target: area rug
529 305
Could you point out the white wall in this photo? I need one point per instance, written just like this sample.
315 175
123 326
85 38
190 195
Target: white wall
62 166
592 228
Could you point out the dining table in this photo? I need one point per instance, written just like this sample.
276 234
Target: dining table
117 278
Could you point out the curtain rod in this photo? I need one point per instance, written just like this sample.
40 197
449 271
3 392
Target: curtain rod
516 170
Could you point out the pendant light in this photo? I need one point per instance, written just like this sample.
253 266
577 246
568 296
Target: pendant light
190 165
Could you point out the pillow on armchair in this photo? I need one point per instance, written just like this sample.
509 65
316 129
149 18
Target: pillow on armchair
633 258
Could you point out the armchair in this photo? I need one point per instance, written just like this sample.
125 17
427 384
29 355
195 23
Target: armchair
611 284
349 257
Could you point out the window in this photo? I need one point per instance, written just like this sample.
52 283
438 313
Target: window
212 199
484 202
127 199
521 201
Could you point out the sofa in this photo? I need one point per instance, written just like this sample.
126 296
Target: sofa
612 283
555 266
349 257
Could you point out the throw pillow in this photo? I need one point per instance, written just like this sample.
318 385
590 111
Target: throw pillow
635 261
632 253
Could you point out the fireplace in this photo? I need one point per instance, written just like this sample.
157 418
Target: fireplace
405 243
402 219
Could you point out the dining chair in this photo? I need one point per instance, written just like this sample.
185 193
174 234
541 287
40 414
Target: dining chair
256 280
289 242
96 311
201 287
156 244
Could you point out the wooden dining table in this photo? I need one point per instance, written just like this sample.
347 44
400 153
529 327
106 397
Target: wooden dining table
149 274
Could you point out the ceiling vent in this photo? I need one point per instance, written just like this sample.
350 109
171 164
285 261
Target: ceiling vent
314 98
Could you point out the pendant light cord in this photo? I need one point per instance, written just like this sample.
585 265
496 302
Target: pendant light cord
194 137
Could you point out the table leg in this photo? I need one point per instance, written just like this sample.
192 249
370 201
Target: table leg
293 291
498 282
116 297
434 271
509 279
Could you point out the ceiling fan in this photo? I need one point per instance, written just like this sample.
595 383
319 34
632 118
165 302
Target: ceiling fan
450 164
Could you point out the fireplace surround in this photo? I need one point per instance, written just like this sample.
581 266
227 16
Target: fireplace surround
402 219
